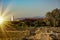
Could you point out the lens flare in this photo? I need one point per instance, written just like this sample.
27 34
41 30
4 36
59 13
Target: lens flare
1 19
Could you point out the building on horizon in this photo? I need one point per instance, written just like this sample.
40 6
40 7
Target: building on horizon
12 18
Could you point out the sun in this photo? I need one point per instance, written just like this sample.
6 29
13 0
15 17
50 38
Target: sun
1 19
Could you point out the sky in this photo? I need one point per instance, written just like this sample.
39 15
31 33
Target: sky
29 8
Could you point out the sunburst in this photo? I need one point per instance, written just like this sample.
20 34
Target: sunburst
3 17
1 20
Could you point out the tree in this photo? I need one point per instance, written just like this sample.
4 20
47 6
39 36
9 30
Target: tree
49 18
56 16
53 17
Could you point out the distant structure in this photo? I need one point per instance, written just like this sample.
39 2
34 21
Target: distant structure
12 18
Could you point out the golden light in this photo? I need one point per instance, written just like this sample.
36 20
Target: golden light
4 17
1 19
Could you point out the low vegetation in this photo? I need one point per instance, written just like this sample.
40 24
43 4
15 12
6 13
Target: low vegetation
34 29
51 19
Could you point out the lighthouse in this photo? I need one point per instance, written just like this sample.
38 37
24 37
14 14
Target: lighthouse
12 18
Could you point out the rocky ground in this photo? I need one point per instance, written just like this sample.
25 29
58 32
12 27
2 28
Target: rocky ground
38 33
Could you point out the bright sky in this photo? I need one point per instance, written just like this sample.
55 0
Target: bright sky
30 8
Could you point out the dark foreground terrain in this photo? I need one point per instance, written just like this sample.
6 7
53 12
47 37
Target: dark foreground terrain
31 33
